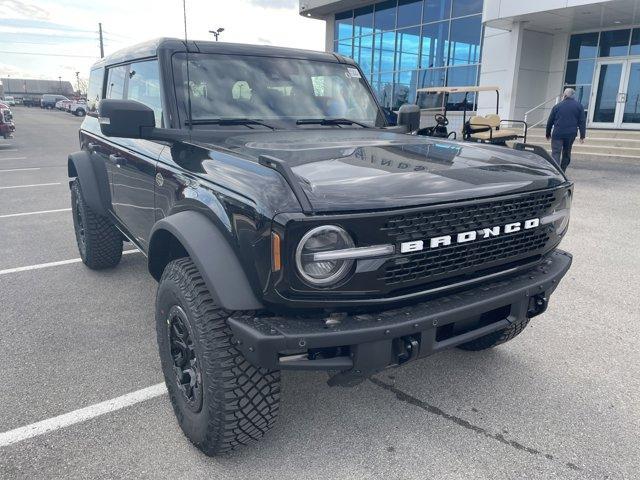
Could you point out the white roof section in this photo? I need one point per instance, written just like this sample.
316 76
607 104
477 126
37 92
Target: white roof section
555 16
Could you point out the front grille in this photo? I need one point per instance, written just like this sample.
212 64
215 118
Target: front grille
465 258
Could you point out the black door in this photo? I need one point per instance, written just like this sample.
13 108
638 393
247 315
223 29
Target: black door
132 163
132 186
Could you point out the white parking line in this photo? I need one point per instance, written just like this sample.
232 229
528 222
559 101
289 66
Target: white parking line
10 215
32 185
51 264
14 158
19 169
81 415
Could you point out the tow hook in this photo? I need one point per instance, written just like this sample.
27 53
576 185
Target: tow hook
537 305
409 349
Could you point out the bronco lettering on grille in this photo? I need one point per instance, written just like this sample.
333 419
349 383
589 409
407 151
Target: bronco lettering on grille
464 237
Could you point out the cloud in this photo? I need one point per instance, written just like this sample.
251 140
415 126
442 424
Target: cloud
14 71
275 3
13 8
264 41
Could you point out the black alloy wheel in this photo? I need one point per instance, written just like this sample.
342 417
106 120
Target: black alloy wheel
79 224
186 366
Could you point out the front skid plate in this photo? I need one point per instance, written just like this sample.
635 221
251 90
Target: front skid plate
262 339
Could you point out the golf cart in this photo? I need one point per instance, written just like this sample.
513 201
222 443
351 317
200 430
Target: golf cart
482 129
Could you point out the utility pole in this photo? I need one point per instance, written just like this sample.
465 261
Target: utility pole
60 84
78 81
101 40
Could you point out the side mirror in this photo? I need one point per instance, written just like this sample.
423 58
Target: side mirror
125 118
409 117
390 115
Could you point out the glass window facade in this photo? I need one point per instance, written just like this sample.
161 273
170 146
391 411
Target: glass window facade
402 45
586 48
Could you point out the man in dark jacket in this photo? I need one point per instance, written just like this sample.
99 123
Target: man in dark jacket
566 118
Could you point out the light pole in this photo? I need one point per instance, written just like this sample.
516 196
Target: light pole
216 33
60 84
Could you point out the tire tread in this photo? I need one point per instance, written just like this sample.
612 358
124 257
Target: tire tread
244 400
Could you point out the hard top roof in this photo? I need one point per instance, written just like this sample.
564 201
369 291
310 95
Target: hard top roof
153 47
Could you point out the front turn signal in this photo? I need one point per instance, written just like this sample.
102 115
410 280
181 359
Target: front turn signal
276 259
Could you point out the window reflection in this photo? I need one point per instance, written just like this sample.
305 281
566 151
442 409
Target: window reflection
409 13
435 10
408 48
435 45
385 16
466 7
635 42
363 21
579 72
465 41
614 43
584 45
343 25
402 45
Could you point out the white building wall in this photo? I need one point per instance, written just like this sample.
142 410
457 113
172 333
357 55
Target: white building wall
528 66
534 72
497 9
500 59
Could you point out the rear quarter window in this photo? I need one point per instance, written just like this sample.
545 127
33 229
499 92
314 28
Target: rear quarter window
94 92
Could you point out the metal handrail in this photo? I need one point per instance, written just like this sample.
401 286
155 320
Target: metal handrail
526 115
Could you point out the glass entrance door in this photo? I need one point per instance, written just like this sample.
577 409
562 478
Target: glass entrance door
616 98
607 94
631 113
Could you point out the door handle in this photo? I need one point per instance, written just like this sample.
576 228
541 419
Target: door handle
117 160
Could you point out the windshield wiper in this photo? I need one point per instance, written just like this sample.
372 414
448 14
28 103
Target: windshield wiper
330 121
229 121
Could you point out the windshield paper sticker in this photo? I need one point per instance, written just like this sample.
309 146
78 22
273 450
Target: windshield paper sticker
353 73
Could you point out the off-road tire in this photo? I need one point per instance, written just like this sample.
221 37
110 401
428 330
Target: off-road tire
99 241
496 338
239 402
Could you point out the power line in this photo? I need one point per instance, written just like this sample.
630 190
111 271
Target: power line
33 43
48 54
29 34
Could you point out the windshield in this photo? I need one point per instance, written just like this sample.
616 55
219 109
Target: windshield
274 90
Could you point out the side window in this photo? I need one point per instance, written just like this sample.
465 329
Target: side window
94 92
116 82
144 86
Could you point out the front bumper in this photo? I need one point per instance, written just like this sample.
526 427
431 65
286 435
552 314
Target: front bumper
7 129
366 343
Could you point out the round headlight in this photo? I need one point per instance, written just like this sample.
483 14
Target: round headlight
323 239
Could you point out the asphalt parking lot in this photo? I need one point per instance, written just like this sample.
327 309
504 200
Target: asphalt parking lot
560 401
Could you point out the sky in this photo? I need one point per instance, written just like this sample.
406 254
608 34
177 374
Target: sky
48 39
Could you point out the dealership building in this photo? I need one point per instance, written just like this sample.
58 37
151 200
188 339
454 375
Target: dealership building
531 50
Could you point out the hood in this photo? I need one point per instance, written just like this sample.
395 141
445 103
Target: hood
358 169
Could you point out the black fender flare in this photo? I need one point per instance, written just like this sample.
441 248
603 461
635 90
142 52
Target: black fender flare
212 254
79 165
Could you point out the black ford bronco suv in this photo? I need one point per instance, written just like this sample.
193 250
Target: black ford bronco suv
290 227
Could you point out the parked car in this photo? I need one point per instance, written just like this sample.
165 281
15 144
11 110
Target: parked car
49 101
10 101
78 107
31 102
7 126
63 105
291 228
